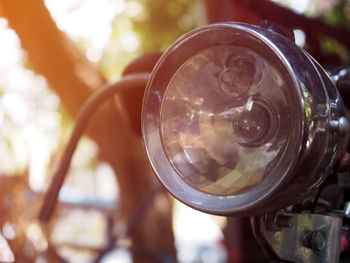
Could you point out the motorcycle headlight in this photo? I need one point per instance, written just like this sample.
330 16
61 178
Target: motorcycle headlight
237 120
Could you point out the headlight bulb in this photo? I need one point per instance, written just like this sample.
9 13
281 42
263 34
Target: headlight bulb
236 120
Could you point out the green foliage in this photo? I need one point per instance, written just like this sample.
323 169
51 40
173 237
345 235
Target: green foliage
154 24
168 20
338 16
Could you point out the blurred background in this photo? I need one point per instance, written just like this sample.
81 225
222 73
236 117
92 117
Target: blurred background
53 55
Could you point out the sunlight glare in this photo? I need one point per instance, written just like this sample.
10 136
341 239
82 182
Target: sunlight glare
36 236
300 37
133 9
118 256
6 254
2 117
9 231
15 106
195 231
94 55
106 185
129 42
39 146
10 52
299 6
190 223
89 20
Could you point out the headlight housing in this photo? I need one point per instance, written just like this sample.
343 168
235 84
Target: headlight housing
237 120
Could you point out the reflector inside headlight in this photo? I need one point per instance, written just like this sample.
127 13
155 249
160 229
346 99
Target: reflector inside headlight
221 124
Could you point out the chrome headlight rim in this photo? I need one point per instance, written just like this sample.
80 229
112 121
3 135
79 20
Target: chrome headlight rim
239 204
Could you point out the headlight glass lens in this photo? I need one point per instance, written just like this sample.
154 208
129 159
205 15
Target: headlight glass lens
225 119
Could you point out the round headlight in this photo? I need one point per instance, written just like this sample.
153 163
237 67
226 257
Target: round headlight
236 120
220 121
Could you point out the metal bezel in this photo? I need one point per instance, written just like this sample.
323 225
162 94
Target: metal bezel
241 204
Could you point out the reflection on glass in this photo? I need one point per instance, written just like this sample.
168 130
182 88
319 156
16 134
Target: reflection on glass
224 120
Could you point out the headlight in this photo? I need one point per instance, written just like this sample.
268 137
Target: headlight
237 120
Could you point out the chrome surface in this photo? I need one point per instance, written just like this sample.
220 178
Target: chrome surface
312 148
347 208
340 126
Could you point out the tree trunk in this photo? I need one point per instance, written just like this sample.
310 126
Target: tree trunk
74 79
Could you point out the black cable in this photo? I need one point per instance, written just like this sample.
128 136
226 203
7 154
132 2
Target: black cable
317 197
84 116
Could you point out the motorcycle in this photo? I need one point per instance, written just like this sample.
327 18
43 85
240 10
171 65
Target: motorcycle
237 120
